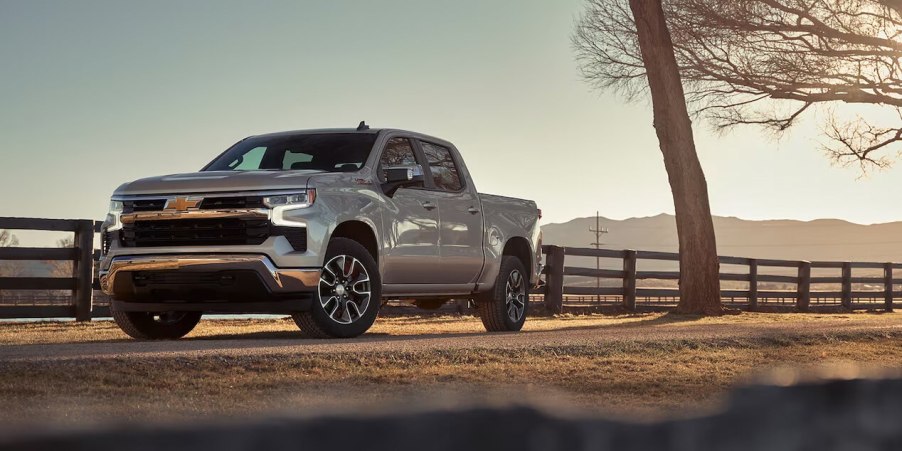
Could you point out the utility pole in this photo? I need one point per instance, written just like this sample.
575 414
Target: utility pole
598 231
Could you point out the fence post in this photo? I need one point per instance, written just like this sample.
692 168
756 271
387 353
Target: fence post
83 269
753 284
803 298
629 280
847 285
888 286
554 279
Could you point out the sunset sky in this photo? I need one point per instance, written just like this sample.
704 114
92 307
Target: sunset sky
96 93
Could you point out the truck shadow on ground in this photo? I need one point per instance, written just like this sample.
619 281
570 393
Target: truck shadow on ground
668 318
299 337
283 338
637 328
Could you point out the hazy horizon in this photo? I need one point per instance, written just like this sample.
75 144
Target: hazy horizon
36 238
545 223
97 93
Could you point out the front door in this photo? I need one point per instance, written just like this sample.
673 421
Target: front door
411 225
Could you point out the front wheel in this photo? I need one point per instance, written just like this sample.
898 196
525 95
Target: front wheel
156 325
347 299
504 307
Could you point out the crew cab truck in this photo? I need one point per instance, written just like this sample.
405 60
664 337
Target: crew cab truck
324 225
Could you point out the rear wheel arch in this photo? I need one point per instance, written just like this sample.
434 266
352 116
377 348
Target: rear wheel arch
519 247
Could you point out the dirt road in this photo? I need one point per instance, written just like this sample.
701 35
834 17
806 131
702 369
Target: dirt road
436 334
645 365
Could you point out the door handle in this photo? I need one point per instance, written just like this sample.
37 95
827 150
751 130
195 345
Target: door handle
473 210
429 205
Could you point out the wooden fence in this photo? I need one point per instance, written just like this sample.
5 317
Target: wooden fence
628 291
82 256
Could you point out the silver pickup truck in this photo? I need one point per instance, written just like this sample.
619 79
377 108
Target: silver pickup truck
324 225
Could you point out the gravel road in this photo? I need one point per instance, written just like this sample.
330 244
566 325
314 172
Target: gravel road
260 344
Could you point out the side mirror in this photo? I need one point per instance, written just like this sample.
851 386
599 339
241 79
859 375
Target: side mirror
396 175
402 177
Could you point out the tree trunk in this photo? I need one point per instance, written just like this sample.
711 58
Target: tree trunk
699 266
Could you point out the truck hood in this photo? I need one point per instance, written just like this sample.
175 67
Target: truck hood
217 181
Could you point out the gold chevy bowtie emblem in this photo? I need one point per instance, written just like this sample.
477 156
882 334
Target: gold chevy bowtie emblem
182 203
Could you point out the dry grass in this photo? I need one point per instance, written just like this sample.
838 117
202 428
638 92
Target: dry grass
641 379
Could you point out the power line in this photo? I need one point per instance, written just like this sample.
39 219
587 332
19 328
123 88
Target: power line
598 231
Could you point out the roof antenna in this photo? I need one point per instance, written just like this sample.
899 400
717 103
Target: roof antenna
362 126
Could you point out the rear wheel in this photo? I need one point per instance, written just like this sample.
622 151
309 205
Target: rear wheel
347 300
504 308
156 325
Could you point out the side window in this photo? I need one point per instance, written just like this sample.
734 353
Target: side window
398 153
249 161
441 164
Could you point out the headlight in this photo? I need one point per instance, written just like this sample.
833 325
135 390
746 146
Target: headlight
299 200
112 218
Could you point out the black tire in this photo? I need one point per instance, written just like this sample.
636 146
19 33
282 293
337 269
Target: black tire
156 326
429 304
495 307
340 315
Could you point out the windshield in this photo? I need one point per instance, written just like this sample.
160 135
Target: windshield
329 152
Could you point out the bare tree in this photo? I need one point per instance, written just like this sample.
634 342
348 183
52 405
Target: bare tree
62 268
57 268
699 266
769 63
8 239
8 269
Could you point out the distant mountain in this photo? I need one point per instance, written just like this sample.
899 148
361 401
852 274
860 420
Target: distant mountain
822 239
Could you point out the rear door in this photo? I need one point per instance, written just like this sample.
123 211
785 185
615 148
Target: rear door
460 216
411 226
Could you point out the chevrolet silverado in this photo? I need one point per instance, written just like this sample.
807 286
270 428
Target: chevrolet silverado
324 225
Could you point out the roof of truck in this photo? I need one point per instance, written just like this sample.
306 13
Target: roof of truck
368 131
347 130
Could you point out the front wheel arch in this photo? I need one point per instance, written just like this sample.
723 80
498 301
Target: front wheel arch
360 232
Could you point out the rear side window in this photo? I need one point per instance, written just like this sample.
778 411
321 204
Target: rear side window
444 172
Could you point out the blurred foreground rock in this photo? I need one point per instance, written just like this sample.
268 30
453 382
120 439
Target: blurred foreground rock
859 414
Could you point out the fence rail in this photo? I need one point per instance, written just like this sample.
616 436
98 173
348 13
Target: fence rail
627 290
82 256
556 269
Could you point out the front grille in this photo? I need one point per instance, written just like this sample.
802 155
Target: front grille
144 278
132 206
106 243
209 203
231 203
195 232
179 286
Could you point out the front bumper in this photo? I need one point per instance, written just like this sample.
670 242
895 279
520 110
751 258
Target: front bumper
238 283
